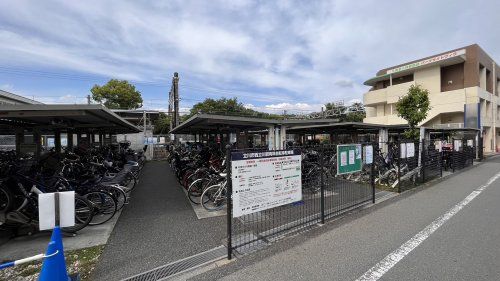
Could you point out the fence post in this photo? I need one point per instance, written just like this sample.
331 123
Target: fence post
424 159
322 166
372 173
440 160
453 156
399 167
480 148
229 204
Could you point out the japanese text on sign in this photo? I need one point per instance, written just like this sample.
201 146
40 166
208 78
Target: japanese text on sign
262 180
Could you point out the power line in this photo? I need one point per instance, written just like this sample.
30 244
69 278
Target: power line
161 84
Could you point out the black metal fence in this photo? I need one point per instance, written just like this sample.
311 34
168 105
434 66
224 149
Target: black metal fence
325 194
432 160
395 166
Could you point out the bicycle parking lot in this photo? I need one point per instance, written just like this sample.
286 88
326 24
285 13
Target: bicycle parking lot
395 165
190 198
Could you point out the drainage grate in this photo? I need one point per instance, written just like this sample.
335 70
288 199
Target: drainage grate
180 266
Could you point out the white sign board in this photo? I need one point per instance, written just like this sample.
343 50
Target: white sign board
368 154
410 149
343 158
403 150
439 145
67 208
470 143
264 180
457 144
351 157
47 210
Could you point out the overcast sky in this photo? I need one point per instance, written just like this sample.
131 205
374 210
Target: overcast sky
270 54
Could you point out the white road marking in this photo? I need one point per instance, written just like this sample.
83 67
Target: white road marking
393 258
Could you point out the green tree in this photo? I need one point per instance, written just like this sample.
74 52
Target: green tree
117 94
414 107
162 124
226 106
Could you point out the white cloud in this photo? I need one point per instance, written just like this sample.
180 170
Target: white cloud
270 52
7 87
289 107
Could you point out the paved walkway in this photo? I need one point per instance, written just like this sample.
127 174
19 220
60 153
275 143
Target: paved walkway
157 227
427 235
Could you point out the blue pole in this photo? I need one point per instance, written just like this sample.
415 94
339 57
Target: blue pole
7 264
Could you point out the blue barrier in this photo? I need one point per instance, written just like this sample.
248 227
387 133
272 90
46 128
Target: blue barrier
25 260
54 264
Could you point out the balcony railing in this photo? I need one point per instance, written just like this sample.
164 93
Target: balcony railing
448 126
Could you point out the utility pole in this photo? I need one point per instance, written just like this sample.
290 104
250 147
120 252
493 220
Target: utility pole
175 84
173 102
170 110
88 99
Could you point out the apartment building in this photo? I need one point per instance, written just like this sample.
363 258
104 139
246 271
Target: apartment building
464 87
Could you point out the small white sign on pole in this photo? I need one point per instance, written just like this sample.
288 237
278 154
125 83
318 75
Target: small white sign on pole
410 149
47 209
439 145
368 154
402 150
67 208
457 144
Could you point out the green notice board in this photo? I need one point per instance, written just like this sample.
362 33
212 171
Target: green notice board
349 158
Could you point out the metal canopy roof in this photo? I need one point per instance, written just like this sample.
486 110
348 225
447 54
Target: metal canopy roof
76 117
215 123
342 127
15 99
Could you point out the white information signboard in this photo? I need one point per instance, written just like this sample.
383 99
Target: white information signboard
403 150
264 180
439 145
470 143
410 149
457 145
368 154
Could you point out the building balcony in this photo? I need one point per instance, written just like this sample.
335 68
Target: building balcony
448 126
391 119
390 94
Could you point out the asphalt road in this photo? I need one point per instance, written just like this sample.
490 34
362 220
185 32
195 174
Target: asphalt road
157 227
464 247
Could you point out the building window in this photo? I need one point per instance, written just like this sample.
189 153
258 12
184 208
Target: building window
452 77
498 86
489 81
482 77
402 79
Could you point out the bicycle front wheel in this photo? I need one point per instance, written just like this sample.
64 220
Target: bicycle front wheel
214 198
104 204
5 199
195 190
